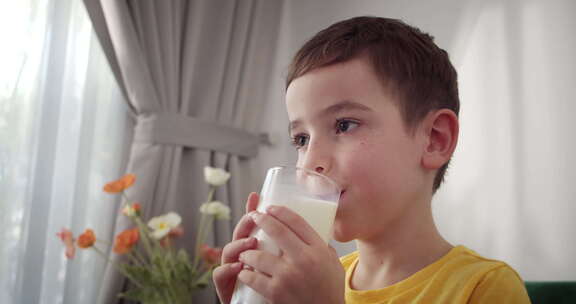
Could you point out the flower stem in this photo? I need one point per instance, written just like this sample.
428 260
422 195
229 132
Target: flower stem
144 236
211 194
139 256
125 197
119 269
134 259
201 227
205 221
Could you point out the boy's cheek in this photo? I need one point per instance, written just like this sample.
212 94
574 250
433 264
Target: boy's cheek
364 156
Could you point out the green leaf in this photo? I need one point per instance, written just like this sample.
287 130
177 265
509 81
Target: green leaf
183 256
204 280
134 294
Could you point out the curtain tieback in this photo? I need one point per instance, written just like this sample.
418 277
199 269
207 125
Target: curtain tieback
182 130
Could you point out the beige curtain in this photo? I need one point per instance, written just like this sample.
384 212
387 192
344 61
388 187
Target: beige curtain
195 76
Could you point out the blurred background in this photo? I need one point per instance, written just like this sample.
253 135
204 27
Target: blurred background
90 90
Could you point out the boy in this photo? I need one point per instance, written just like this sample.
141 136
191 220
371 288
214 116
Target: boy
373 105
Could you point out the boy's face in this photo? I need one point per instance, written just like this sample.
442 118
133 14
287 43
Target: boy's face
347 126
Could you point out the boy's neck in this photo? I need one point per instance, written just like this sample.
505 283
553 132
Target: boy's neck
404 249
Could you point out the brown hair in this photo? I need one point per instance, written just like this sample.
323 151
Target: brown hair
404 58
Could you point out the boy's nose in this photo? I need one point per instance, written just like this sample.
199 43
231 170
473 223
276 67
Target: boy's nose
318 161
317 157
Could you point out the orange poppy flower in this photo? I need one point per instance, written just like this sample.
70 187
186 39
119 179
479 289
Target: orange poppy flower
126 240
120 185
68 239
86 239
210 255
137 207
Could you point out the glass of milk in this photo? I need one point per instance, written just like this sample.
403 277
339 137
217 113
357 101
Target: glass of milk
312 195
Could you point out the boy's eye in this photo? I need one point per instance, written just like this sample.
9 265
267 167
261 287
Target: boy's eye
345 125
300 140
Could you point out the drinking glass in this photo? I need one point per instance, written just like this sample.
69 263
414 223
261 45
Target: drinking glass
311 195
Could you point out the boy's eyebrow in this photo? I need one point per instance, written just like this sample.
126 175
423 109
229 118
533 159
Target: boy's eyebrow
335 108
344 105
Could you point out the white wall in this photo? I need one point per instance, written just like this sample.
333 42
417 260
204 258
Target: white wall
508 193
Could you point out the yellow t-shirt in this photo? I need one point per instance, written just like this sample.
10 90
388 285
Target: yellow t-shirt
461 276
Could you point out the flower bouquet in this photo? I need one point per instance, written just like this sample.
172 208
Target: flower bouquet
158 272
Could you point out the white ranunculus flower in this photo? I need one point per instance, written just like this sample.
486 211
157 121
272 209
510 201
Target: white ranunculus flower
161 225
216 176
217 209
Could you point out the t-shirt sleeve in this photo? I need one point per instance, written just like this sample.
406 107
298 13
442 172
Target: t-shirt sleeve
500 285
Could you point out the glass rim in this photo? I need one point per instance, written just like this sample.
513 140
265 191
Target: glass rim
277 168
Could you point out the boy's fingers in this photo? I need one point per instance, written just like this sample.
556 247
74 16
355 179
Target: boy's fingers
261 261
244 227
225 273
283 236
252 202
246 224
256 280
296 223
233 249
224 277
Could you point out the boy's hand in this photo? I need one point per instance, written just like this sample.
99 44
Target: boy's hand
307 271
224 276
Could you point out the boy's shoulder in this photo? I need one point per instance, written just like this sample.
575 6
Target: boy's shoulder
460 274
469 264
460 259
463 257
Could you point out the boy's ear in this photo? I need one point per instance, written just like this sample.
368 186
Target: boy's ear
441 131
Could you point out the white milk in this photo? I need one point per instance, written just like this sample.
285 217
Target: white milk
318 213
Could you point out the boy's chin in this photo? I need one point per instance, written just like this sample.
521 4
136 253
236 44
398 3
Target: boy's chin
341 237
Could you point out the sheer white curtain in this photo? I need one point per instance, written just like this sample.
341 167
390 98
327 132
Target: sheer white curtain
62 122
